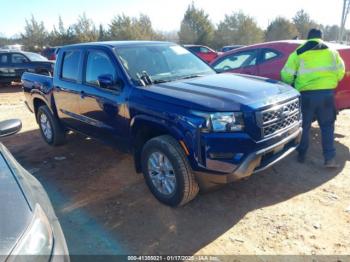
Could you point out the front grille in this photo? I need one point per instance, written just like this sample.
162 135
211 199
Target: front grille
278 118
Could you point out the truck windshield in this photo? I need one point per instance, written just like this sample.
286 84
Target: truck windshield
162 63
35 57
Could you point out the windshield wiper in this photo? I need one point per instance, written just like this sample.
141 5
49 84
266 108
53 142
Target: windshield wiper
191 76
160 81
144 78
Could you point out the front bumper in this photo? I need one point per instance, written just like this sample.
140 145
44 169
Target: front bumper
255 162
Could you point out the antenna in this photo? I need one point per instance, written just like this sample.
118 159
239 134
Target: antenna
345 12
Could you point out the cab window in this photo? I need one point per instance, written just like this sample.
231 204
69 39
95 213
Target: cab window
18 59
98 64
3 59
237 60
70 66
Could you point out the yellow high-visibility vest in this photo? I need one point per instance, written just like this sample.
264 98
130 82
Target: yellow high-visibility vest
314 69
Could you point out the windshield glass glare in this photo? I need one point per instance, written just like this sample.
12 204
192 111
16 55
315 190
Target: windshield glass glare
35 57
161 62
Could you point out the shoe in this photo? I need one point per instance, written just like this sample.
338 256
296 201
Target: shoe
301 158
331 163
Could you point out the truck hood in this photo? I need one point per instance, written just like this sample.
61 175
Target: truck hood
223 92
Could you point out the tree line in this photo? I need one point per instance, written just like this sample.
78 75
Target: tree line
195 28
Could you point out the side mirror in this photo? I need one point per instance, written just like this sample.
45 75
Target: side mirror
10 127
105 81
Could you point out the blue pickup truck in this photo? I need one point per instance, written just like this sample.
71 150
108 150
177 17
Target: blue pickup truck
186 126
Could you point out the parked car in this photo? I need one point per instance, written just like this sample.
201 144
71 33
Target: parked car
28 225
50 53
184 124
14 63
230 47
205 53
268 59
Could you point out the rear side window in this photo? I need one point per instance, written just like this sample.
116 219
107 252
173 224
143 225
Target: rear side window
98 64
70 65
194 48
269 54
3 59
18 59
204 50
237 60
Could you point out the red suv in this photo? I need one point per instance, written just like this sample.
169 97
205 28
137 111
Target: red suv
268 59
205 53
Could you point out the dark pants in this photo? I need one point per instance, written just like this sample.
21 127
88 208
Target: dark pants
318 104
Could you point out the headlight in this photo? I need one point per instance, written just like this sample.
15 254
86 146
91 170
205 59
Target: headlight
222 122
227 122
37 242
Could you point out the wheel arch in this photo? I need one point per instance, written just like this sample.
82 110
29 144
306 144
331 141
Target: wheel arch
144 128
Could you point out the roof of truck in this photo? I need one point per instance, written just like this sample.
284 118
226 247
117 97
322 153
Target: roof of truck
119 43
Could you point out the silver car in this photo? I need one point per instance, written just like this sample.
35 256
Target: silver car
29 228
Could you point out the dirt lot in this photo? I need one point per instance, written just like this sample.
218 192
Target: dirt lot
105 207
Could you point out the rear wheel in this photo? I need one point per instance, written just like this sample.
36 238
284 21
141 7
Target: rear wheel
167 171
50 128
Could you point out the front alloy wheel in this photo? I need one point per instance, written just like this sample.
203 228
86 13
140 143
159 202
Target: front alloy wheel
167 171
162 173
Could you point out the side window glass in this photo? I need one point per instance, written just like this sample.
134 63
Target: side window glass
236 61
70 68
269 54
3 59
204 50
99 64
18 59
195 49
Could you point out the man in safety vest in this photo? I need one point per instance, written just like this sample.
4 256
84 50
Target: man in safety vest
315 70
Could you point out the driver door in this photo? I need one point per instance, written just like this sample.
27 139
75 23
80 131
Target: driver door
244 62
101 108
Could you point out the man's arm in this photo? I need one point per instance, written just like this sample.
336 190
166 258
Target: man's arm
290 69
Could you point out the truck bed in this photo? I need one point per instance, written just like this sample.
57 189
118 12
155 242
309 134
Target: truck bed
37 85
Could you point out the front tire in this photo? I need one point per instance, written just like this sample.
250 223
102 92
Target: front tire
167 171
50 127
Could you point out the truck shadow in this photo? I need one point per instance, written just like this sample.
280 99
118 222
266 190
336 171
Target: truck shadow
105 207
7 88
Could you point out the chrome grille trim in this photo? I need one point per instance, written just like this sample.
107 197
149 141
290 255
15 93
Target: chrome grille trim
278 118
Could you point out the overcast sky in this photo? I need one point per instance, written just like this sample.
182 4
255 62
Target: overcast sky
166 15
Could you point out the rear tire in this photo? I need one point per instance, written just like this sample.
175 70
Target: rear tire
170 179
50 127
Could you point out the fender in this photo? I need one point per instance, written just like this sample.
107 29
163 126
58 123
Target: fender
162 124
46 98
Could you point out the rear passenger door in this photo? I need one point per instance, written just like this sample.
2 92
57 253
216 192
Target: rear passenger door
102 107
67 87
271 63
